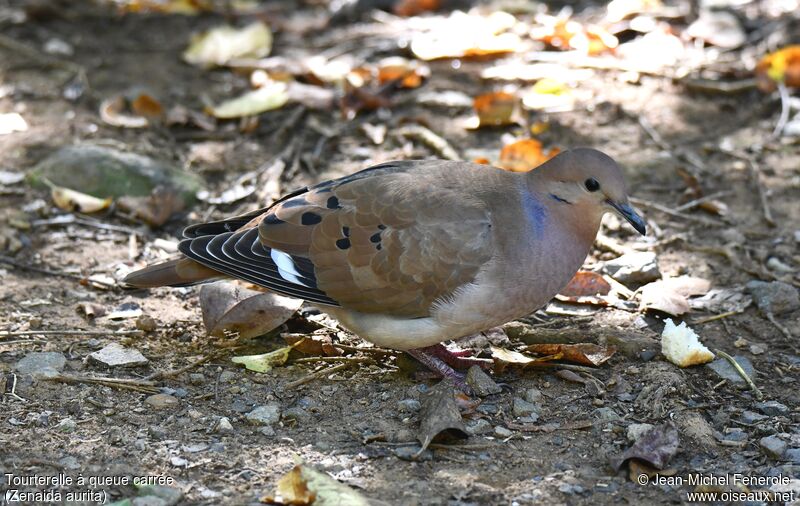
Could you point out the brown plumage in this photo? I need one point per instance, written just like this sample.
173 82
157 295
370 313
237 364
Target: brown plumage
409 254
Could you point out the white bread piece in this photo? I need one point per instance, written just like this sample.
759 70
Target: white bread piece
680 345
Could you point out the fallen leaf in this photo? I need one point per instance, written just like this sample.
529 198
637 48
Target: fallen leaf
228 307
671 295
12 122
155 209
138 112
562 33
415 7
524 155
780 66
75 201
585 283
316 345
495 109
549 95
268 97
583 353
292 489
90 310
655 447
468 35
408 73
186 7
125 311
304 486
719 28
508 358
440 419
220 45
146 106
264 362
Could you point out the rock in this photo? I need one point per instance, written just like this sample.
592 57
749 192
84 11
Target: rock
162 401
67 425
268 431
223 426
481 383
296 414
408 405
503 432
534 395
772 446
148 500
41 364
772 408
521 408
479 426
227 376
170 495
634 268
264 415
635 430
735 434
725 370
775 297
792 455
116 355
751 417
606 415
146 323
412 453
197 378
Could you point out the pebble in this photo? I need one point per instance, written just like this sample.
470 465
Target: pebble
792 455
751 417
197 378
295 414
521 408
41 364
735 434
409 405
227 376
67 425
636 430
116 355
264 415
146 323
481 383
503 432
606 414
534 395
170 495
772 446
570 489
180 393
412 453
162 401
636 268
479 426
775 297
772 408
223 425
268 431
725 370
70 462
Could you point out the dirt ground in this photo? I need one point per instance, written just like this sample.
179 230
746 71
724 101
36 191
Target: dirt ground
353 423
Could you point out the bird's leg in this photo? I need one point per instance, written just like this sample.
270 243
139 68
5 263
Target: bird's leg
441 368
460 359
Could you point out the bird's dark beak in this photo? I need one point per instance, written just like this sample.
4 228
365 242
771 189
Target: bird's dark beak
626 211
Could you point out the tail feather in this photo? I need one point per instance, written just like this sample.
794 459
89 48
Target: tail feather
181 272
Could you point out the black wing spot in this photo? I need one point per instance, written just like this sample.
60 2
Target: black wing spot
295 202
343 243
346 231
333 203
273 219
376 237
378 247
382 227
309 218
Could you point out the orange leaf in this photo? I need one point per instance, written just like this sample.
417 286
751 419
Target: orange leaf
583 353
482 161
415 7
147 106
494 109
524 155
780 66
586 283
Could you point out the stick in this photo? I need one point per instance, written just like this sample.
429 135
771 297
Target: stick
697 202
181 370
78 332
122 383
784 117
780 327
715 317
10 261
741 372
659 140
318 374
672 212
430 139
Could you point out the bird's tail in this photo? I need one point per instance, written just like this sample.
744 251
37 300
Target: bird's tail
181 272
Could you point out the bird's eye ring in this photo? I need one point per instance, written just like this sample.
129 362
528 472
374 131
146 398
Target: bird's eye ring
591 184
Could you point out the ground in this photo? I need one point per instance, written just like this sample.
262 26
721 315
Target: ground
351 423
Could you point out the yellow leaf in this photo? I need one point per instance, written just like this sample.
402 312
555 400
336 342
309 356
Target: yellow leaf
71 200
220 45
264 362
268 97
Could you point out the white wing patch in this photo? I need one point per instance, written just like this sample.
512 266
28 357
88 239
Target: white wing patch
286 267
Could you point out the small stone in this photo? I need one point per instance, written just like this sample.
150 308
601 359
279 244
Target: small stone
635 430
409 405
116 355
295 414
606 414
227 376
775 297
412 453
635 268
757 348
162 401
70 462
751 417
521 408
267 431
772 446
479 426
735 434
223 425
148 500
503 432
197 378
776 264
41 364
178 461
481 383
534 395
146 323
772 408
67 425
725 370
264 415
180 393
792 455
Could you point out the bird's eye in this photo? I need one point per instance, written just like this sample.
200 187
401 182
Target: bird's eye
591 184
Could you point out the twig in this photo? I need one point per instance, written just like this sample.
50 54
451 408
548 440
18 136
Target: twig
121 383
697 202
83 279
715 317
741 372
176 372
76 332
755 171
430 139
355 360
681 155
78 71
672 212
318 374
780 327
784 117
69 219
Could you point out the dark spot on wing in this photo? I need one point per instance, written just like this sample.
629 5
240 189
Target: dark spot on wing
378 247
343 243
333 203
382 227
273 220
309 218
376 237
346 231
295 202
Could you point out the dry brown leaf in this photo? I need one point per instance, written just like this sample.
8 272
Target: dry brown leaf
586 283
316 344
440 419
468 35
146 106
564 33
671 295
408 73
583 353
113 112
155 209
75 201
781 66
266 98
524 155
495 109
415 7
304 486
292 489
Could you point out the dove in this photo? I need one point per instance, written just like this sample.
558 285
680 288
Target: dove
409 254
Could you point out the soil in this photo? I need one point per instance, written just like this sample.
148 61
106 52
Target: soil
351 423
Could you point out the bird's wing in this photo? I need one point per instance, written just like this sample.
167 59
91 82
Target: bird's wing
391 239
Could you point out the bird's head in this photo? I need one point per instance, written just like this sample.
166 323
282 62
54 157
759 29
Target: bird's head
588 180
